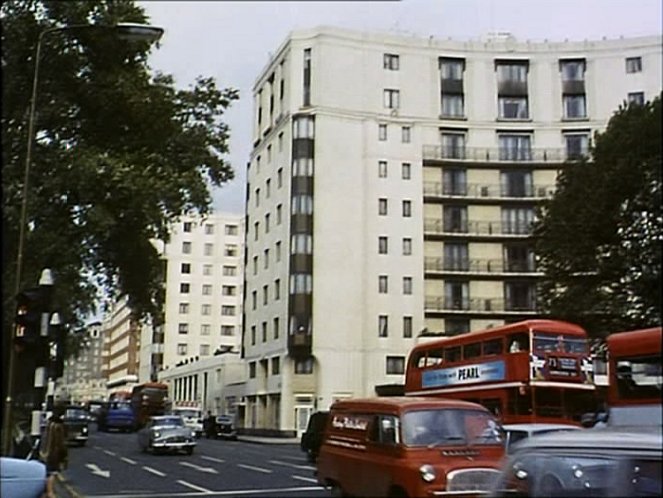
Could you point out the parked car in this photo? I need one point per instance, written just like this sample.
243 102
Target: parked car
76 421
513 433
21 478
116 415
409 447
166 433
193 418
224 427
602 462
312 438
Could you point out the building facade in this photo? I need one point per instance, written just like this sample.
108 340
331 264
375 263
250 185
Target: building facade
390 192
120 331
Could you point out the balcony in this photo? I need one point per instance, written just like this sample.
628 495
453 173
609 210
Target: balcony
300 345
477 305
436 226
497 154
484 266
486 190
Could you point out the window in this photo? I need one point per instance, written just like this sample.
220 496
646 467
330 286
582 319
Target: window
279 214
518 258
407 327
205 329
493 346
266 258
230 250
227 330
573 70
256 230
278 251
186 247
209 229
229 290
517 220
253 335
390 61
304 366
382 245
383 326
209 249
391 99
206 309
452 69
407 285
577 145
301 243
455 219
182 349
280 139
513 107
207 290
184 308
383 284
633 64
382 169
207 270
382 132
454 181
382 207
307 77
276 365
456 295
255 265
257 197
406 134
452 106
574 106
395 365
471 351
228 310
453 145
183 328
302 204
519 296
185 268
303 127
406 171
204 350
516 183
254 299
407 246
186 227
302 166
515 147
279 178
252 370
231 230
276 327
301 283
512 73
637 98
229 271
265 295
184 288
407 209
264 331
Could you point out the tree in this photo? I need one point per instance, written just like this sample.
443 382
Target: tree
120 153
599 238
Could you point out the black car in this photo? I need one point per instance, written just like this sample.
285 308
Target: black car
312 438
76 424
224 427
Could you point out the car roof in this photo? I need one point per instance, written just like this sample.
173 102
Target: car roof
536 427
632 438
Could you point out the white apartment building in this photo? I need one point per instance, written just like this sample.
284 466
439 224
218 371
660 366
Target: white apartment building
204 287
120 337
390 192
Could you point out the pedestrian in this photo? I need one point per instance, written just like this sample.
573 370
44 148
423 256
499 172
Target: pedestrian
54 450
208 423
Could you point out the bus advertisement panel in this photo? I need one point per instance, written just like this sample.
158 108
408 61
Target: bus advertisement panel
530 371
635 377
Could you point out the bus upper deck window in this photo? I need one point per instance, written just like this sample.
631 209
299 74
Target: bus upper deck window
518 342
493 346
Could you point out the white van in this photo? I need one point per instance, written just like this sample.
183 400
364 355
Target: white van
193 417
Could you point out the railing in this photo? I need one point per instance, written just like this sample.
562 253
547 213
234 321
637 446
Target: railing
502 154
441 264
478 190
487 305
439 227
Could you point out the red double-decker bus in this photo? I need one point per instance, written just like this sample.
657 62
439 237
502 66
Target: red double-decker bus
530 371
148 399
635 377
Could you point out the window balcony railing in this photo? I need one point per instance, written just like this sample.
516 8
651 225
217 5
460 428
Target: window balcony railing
478 305
436 226
442 264
478 190
499 154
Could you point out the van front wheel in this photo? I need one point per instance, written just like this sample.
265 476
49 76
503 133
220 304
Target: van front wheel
397 493
337 491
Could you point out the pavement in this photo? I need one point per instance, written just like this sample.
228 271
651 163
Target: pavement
64 488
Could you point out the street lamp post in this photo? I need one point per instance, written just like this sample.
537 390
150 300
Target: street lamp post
126 31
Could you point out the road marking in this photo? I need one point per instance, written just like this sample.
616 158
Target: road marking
193 486
209 470
307 479
258 469
97 471
294 465
234 492
212 459
128 460
111 453
154 471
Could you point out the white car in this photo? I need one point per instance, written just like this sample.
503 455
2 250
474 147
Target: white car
166 433
518 432
193 418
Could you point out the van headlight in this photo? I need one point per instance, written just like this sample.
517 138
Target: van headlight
427 473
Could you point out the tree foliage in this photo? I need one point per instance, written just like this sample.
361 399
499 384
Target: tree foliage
119 153
599 238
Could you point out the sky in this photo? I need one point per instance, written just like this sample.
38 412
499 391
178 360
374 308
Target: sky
232 40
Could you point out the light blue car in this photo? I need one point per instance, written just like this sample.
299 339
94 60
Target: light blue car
21 478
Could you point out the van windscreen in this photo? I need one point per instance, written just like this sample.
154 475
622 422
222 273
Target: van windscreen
450 427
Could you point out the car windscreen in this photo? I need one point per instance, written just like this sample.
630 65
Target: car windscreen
448 427
75 413
189 413
169 422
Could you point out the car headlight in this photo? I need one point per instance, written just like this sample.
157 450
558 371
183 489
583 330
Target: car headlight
193 433
84 430
427 473
156 434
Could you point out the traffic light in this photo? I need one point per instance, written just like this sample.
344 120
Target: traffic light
30 304
58 335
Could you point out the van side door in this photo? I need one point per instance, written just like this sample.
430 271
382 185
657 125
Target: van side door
383 455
